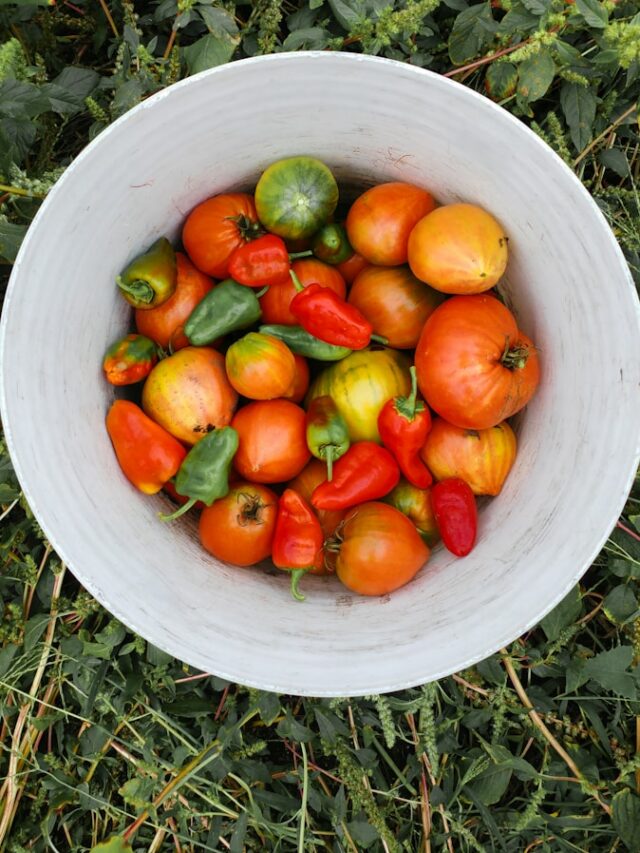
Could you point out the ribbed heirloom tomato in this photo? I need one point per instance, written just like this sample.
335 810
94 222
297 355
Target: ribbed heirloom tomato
275 302
239 528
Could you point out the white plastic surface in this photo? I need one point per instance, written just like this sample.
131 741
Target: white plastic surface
371 120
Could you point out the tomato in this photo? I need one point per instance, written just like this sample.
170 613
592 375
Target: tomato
273 443
380 551
164 323
415 503
380 220
474 366
350 268
216 227
482 458
395 302
459 248
239 528
275 302
295 197
296 393
311 476
260 367
189 394
361 384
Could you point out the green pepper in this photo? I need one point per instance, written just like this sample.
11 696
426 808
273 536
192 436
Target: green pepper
150 279
229 307
331 244
303 343
204 473
327 432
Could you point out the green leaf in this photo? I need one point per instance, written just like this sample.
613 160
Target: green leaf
79 82
579 108
501 756
11 237
472 33
625 815
156 657
620 604
127 96
363 833
268 707
490 785
22 100
17 135
563 614
116 844
537 7
34 629
312 38
501 80
593 12
535 75
220 23
615 159
208 52
611 670
97 650
348 13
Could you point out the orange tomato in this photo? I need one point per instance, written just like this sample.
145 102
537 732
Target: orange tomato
380 220
164 323
395 302
459 248
350 268
482 458
275 302
189 393
311 476
216 227
239 528
297 391
273 443
260 367
415 503
380 551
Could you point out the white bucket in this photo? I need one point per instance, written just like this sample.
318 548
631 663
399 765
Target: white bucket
370 120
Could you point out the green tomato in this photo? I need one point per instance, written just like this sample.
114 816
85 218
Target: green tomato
296 197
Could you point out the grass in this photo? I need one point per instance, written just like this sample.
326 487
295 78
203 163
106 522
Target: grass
103 735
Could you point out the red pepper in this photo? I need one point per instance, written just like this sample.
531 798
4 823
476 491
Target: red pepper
262 263
454 507
325 315
297 539
404 424
148 455
366 472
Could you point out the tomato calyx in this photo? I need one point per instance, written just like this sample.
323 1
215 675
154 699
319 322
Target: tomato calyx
249 229
514 358
251 509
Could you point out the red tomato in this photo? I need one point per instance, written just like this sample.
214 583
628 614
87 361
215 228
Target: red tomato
239 528
273 441
395 302
480 457
380 220
350 268
216 227
474 366
275 303
164 323
298 390
380 549
260 367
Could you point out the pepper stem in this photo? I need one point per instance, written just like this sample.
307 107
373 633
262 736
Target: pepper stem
294 255
139 290
299 286
180 511
411 401
262 292
296 575
329 460
379 339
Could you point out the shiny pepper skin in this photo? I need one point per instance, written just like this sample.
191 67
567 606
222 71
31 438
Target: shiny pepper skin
129 360
454 507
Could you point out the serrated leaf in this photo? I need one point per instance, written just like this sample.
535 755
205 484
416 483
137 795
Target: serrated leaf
116 844
11 237
563 614
620 604
593 13
501 80
208 52
610 670
472 33
535 75
625 815
579 108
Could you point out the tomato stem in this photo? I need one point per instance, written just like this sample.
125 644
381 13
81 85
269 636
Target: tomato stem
249 230
180 511
296 575
514 358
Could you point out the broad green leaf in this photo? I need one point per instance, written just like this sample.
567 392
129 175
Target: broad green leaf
491 784
503 758
219 22
156 656
348 13
19 99
80 82
563 614
611 670
620 604
313 38
116 844
363 833
472 33
208 52
593 12
518 22
501 80
626 819
535 75
537 7
11 237
127 96
268 707
579 108
97 650
34 629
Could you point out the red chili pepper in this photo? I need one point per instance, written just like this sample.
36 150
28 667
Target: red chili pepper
454 507
366 472
325 315
404 424
297 538
148 455
261 263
